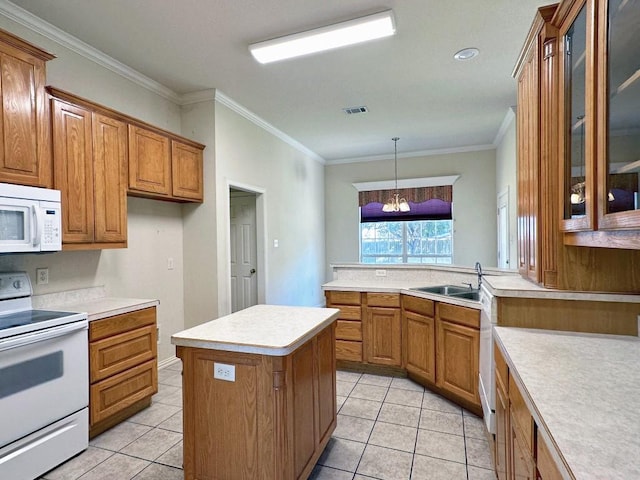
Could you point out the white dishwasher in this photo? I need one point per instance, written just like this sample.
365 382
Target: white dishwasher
487 379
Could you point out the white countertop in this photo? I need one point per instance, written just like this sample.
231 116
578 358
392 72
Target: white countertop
106 307
273 330
584 391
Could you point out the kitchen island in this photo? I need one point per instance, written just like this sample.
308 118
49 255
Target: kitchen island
259 393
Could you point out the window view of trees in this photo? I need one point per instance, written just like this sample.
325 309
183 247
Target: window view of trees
419 241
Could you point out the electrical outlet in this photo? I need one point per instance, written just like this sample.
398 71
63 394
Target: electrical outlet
42 276
222 371
381 273
170 263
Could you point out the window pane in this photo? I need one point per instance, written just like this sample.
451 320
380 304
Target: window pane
418 241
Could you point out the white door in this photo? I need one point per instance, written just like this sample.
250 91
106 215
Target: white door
503 230
244 291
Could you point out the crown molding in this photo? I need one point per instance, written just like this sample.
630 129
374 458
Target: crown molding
41 27
420 153
252 117
504 126
36 24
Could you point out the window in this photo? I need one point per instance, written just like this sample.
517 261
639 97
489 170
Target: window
422 234
416 241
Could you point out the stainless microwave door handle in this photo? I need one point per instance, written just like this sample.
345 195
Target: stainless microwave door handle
37 337
39 225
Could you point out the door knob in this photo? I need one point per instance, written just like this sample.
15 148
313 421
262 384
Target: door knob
252 271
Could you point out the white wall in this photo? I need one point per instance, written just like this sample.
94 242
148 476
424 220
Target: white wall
292 202
506 178
474 200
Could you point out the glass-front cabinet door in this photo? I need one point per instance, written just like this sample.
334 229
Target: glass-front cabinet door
619 114
577 111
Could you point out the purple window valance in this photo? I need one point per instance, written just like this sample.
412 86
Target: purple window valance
426 203
416 195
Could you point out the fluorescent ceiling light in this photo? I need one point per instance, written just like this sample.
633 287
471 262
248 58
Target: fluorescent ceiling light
354 31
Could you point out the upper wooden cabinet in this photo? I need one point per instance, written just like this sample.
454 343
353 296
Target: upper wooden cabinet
25 132
149 161
556 152
186 171
600 116
90 160
536 72
163 167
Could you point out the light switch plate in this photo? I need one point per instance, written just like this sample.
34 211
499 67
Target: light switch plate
225 372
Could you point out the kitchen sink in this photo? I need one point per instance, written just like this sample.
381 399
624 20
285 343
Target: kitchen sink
468 295
443 289
453 291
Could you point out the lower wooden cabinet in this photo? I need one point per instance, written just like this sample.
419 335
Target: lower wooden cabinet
458 351
546 466
123 367
384 336
349 325
420 348
521 452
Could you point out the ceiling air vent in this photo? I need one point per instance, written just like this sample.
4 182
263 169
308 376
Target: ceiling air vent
354 110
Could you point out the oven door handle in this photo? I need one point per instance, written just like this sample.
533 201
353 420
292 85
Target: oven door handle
41 336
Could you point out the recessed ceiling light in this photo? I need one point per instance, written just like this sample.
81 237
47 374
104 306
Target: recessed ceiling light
466 54
354 31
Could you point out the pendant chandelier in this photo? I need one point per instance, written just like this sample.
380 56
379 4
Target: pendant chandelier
395 203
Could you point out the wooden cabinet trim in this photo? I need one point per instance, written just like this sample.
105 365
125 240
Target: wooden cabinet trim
115 393
338 297
422 306
121 323
348 330
118 353
391 300
520 413
457 314
349 350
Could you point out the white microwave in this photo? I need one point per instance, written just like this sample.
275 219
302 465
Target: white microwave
30 219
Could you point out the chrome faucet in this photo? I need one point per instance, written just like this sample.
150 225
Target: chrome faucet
479 272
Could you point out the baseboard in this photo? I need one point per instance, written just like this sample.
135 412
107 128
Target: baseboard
167 361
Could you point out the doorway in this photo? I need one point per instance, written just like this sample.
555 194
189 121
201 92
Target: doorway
503 229
243 249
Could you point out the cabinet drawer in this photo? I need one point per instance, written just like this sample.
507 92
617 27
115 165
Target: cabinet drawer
121 323
120 391
335 297
348 350
520 414
349 312
349 330
502 370
383 299
422 306
118 353
461 315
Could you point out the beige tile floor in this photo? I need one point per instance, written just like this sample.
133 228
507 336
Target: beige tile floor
388 429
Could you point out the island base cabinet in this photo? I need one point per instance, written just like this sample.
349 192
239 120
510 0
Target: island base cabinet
272 421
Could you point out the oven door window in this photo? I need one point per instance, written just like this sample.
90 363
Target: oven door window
30 373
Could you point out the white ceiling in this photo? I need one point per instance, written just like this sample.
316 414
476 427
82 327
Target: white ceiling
411 84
